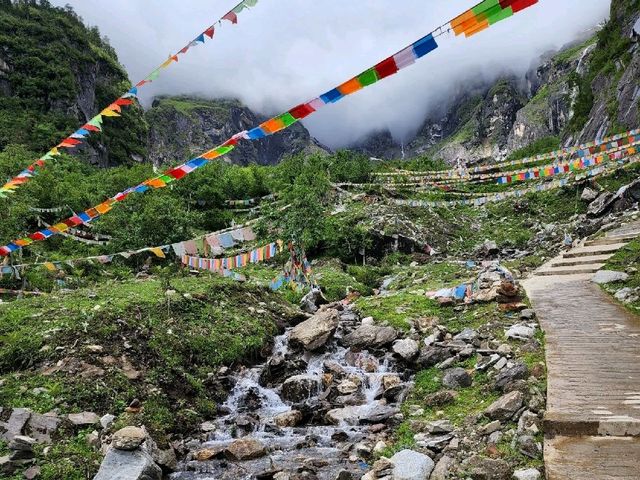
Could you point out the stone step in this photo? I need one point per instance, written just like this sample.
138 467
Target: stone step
597 458
575 425
570 262
571 270
593 250
609 240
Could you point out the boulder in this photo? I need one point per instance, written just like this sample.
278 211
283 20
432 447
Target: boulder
528 314
410 465
505 407
128 438
443 469
407 349
288 419
433 355
312 299
443 397
468 335
206 454
128 465
456 378
627 295
609 276
41 427
14 424
482 468
245 449
588 195
528 474
22 443
508 375
300 388
600 205
83 419
520 332
107 420
370 336
314 333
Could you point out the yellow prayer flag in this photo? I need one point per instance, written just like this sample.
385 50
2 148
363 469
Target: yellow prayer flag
50 266
109 113
157 252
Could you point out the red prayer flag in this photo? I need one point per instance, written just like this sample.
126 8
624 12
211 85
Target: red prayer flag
518 5
91 128
37 236
386 68
123 101
301 111
209 32
232 17
177 173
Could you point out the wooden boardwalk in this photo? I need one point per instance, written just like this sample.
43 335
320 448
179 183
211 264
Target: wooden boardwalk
592 425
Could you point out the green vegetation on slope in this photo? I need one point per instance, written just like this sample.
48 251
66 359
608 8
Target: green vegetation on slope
51 59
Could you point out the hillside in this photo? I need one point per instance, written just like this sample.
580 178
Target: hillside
56 74
586 90
181 127
300 314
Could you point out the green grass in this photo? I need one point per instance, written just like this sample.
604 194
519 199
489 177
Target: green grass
626 257
174 341
398 309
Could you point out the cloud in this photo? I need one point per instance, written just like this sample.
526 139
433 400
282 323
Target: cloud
284 52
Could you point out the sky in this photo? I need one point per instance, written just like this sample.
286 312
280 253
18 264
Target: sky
285 52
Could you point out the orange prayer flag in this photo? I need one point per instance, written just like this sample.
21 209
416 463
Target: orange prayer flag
478 28
210 155
457 22
273 125
351 86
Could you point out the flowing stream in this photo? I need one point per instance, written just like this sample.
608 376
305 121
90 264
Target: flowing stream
348 383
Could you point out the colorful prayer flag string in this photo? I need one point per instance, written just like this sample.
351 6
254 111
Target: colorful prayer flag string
114 109
380 71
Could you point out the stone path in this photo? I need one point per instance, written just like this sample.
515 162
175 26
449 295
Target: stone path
592 424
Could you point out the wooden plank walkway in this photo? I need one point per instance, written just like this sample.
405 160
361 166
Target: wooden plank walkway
592 424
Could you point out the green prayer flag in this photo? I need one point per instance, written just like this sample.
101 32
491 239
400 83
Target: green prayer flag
368 78
250 3
287 119
501 15
484 6
166 178
224 150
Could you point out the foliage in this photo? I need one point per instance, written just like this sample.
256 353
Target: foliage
541 145
52 58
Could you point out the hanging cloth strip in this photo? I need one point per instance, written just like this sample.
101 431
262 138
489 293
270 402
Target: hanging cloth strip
501 196
115 108
382 70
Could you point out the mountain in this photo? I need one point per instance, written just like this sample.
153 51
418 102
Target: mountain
56 74
586 90
181 127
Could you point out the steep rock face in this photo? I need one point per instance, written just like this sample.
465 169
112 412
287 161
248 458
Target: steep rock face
379 145
552 92
181 127
55 75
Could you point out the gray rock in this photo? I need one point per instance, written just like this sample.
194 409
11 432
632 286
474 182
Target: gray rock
609 276
299 388
528 474
22 443
457 378
128 438
314 333
588 195
407 349
83 419
14 425
410 465
505 407
288 419
245 449
433 355
518 372
370 336
311 300
489 469
528 446
443 469
600 205
432 442
520 332
439 426
41 427
107 420
128 465
627 295
528 314
490 427
468 335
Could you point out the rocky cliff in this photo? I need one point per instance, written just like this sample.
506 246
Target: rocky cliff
55 74
588 89
181 127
